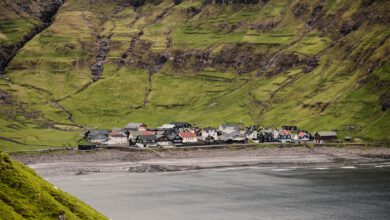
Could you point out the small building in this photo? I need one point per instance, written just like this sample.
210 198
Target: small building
188 137
285 136
325 137
117 137
87 147
163 141
135 126
146 141
266 135
252 134
303 136
232 137
209 132
176 139
97 136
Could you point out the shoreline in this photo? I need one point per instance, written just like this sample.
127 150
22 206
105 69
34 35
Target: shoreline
183 159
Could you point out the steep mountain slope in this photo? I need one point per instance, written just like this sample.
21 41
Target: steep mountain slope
320 65
24 195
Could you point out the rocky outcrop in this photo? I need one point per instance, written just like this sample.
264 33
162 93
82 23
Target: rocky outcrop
98 68
5 98
46 11
225 2
385 101
138 3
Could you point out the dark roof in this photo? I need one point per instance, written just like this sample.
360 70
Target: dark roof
163 138
180 124
327 134
209 129
96 132
98 136
147 137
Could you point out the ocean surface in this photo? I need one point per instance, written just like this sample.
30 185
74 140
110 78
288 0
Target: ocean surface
345 192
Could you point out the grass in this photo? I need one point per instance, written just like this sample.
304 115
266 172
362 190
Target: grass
25 195
337 93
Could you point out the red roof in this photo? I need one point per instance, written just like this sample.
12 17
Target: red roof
148 133
117 134
301 134
285 132
187 134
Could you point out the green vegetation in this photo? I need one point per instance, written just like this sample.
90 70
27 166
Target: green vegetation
11 30
25 195
259 57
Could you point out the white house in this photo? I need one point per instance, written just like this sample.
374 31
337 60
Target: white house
188 137
117 138
252 135
210 132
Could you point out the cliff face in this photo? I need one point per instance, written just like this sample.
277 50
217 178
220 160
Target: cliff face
36 16
320 65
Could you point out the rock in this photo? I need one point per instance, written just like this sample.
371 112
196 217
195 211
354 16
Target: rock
385 101
299 9
350 26
5 98
98 68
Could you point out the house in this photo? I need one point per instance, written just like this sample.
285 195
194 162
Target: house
163 141
289 128
209 132
135 127
325 136
181 125
303 136
229 127
133 136
117 137
209 139
97 136
232 137
188 137
285 136
251 133
176 139
266 135
146 141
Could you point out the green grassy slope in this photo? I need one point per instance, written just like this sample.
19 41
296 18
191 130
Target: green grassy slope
25 195
318 64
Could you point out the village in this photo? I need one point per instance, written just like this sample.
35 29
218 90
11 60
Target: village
177 134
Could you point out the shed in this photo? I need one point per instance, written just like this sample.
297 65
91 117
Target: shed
325 136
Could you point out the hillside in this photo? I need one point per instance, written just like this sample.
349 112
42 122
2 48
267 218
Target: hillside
321 65
25 195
